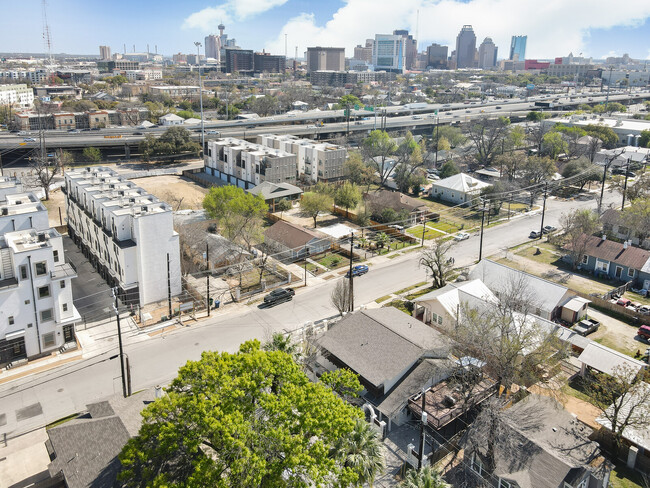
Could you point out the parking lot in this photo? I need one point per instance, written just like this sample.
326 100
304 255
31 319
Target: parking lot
92 296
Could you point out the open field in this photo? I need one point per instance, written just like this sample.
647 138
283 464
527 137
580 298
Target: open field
180 193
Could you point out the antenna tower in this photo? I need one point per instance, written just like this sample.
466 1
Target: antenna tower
47 37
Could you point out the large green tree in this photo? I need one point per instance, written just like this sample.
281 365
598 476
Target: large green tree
314 204
488 137
358 171
605 134
426 477
377 148
347 196
453 135
553 144
448 169
251 418
644 141
174 141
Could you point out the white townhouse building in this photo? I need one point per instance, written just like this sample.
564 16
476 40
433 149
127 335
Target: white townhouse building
246 164
126 233
18 96
21 211
318 161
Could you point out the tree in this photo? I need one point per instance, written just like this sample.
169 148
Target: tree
633 190
382 239
91 154
347 196
535 116
553 144
644 140
516 137
577 227
188 114
283 205
572 135
497 193
437 262
443 144
448 169
340 297
534 172
45 173
425 477
348 101
605 134
361 452
251 418
314 204
265 105
453 135
581 169
623 398
281 342
536 135
377 149
358 171
488 136
409 160
174 141
636 218
343 382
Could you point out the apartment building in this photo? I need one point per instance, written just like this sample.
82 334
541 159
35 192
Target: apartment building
21 211
126 233
317 161
246 164
17 96
33 75
325 58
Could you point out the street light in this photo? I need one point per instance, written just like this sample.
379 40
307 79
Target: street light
198 61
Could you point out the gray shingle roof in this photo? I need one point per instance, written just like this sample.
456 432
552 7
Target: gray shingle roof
270 190
383 343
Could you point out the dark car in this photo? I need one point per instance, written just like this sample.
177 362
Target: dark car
138 133
95 128
358 270
279 295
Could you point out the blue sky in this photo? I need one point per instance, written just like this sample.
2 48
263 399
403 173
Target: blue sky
554 28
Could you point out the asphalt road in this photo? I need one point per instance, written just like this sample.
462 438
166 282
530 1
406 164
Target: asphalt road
33 401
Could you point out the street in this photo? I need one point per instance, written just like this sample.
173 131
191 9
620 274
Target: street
40 398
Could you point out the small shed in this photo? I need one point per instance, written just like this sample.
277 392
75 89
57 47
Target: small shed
575 310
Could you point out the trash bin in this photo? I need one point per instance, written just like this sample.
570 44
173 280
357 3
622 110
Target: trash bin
217 303
211 301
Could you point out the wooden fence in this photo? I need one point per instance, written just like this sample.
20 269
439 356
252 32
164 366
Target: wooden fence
624 313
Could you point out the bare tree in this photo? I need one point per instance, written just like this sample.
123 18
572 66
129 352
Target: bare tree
340 297
45 172
488 136
577 227
437 262
536 135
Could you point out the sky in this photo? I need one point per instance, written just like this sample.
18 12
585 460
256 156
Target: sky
595 28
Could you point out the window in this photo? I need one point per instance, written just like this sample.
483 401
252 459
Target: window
477 464
56 256
44 291
40 268
630 272
65 307
62 284
48 340
584 483
23 272
11 320
440 319
585 258
46 315
505 484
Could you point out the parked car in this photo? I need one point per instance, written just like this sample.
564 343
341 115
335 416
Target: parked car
358 270
29 139
138 133
279 295
461 236
397 227
644 331
215 132
644 310
548 228
586 326
623 302
534 234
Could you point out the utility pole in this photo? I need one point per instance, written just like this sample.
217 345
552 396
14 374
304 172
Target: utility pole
351 275
169 288
119 338
305 266
207 275
627 170
424 228
435 164
198 61
602 183
347 112
541 226
609 82
2 171
423 424
480 249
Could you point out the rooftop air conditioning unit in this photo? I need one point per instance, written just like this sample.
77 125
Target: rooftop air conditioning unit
5 211
448 401
41 238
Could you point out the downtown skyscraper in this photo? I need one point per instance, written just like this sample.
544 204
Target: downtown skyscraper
518 48
466 48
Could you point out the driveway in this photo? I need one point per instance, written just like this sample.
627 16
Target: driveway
616 334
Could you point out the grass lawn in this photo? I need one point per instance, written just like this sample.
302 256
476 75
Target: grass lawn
636 298
622 477
418 293
444 226
546 256
609 341
428 234
412 287
332 261
576 389
399 305
382 299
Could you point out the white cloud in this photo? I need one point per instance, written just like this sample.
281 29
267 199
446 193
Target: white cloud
208 18
554 27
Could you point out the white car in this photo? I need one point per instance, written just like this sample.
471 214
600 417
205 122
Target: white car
461 236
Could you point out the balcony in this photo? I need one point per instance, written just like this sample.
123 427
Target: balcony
62 271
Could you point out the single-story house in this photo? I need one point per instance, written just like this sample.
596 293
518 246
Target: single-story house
606 360
299 105
458 189
488 174
294 241
620 261
192 121
549 297
611 220
380 199
84 451
636 435
394 355
540 445
274 192
171 119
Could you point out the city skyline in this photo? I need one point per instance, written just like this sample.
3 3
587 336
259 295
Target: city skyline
593 30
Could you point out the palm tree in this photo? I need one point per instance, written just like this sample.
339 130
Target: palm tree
427 477
282 343
362 452
382 239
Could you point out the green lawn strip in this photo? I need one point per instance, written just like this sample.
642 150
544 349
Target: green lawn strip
623 477
575 389
62 420
418 294
399 305
428 233
444 226
412 287
332 261
608 341
382 299
545 256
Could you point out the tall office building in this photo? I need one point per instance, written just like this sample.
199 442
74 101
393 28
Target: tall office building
325 58
105 52
410 48
487 54
437 56
213 47
518 48
269 63
362 53
388 53
239 60
466 48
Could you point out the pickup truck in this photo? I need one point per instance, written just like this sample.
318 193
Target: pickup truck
586 327
278 296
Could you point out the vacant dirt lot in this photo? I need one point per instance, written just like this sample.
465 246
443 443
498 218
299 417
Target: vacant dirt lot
179 192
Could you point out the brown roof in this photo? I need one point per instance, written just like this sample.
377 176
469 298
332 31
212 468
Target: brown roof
611 216
290 235
632 257
395 200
